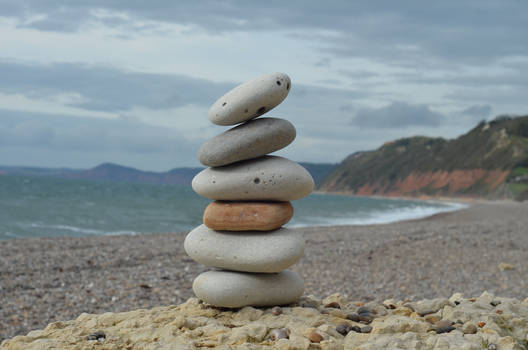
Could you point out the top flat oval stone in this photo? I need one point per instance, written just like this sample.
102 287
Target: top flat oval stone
246 141
250 100
266 178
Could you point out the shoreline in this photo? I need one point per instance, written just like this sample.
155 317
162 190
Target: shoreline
378 217
459 199
51 279
457 203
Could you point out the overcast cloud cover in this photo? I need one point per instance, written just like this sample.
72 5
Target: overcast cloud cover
91 81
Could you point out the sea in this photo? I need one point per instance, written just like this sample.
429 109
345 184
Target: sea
50 207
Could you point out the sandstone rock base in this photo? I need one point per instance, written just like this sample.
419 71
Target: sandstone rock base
486 322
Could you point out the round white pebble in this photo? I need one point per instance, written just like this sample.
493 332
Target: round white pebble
249 251
251 99
265 178
238 289
246 141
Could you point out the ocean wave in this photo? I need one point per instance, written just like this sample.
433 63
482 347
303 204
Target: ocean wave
395 214
83 231
118 233
8 234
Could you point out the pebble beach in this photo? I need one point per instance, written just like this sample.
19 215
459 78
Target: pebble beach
481 248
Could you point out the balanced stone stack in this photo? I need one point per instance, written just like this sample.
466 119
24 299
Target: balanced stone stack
242 235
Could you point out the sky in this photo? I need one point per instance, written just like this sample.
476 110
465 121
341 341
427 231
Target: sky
84 82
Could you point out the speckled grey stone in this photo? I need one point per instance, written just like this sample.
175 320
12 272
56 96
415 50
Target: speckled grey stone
237 289
251 99
246 141
264 178
250 251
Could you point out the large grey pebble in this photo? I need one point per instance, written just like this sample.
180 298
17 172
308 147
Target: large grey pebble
265 178
237 289
251 251
250 140
251 99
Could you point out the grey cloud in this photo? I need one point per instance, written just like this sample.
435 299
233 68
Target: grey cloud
113 90
513 97
323 62
346 108
358 74
517 78
317 108
436 41
406 32
316 111
334 82
56 22
81 134
108 89
477 111
397 115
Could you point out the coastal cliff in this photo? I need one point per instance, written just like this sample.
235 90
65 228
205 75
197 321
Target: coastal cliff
489 161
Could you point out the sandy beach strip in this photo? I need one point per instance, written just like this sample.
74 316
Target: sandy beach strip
49 279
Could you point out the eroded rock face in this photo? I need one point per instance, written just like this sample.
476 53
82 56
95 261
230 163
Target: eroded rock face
438 182
495 322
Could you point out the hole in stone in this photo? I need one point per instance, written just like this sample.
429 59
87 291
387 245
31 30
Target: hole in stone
256 180
246 110
261 110
223 104
288 86
278 83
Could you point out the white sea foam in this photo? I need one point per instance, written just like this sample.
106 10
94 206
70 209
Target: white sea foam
83 231
9 234
395 214
118 233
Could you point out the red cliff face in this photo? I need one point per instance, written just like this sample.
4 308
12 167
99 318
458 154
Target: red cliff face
439 182
479 163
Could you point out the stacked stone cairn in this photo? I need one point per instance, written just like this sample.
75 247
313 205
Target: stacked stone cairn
242 236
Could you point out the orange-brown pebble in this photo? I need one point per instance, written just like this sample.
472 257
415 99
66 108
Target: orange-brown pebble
247 216
334 305
481 324
315 337
499 312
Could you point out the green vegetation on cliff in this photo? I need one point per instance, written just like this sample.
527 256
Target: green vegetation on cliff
491 160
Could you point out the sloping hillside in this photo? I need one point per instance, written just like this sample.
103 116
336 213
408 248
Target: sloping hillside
116 172
120 173
489 161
